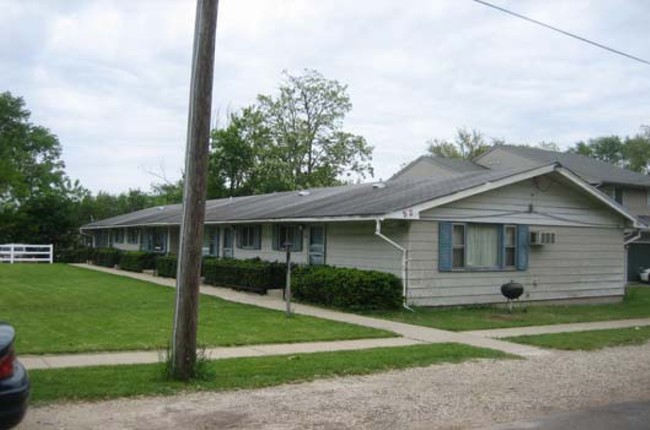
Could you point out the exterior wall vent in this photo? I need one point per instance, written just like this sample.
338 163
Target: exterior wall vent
539 238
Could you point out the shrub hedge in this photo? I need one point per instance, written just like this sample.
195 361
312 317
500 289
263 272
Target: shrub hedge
107 257
254 275
166 266
75 255
347 288
137 261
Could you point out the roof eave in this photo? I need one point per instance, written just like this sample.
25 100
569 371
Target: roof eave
343 218
598 195
413 212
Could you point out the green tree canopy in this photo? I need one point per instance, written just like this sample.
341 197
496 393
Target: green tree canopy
38 202
290 140
630 152
30 162
468 144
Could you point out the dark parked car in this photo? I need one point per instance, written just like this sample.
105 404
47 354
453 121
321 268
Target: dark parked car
14 383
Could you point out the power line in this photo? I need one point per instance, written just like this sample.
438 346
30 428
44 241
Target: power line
566 33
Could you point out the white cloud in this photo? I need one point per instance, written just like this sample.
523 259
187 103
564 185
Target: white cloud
110 78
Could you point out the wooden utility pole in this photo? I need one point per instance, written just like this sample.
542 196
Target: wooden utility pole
186 312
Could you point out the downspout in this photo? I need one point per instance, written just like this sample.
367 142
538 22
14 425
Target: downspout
404 261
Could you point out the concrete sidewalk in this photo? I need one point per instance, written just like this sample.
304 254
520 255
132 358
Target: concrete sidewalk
559 328
156 356
409 331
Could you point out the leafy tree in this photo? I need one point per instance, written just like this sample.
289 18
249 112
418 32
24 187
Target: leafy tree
468 144
630 152
30 161
637 151
167 193
291 140
233 158
305 122
549 146
38 202
606 148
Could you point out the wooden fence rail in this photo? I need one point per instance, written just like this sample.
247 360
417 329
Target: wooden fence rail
26 253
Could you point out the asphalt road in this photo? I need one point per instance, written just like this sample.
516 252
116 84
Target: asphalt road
621 416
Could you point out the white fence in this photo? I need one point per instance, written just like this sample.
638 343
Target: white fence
22 253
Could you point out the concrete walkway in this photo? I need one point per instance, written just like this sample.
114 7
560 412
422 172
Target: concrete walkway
143 357
559 328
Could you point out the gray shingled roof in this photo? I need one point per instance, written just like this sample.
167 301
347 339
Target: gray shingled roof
457 164
645 219
591 170
460 167
364 200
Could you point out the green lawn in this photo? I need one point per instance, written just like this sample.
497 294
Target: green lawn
587 340
635 305
59 308
105 382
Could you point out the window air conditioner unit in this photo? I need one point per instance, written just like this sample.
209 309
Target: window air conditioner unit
540 238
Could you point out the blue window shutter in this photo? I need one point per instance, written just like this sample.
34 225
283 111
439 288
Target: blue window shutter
501 232
444 246
276 237
297 239
257 237
522 247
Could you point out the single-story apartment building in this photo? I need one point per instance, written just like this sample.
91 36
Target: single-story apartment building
452 240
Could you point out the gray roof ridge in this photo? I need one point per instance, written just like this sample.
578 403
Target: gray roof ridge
532 153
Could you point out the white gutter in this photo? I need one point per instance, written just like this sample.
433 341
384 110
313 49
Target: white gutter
404 261
635 237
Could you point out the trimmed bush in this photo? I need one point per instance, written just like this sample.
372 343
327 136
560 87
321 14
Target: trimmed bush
206 259
137 261
253 275
347 288
107 257
166 266
75 255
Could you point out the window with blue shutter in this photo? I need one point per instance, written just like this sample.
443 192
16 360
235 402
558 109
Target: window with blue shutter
487 247
444 246
522 247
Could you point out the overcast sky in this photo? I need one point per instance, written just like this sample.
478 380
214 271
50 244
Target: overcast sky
111 78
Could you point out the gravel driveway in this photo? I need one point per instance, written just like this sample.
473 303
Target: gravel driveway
473 394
